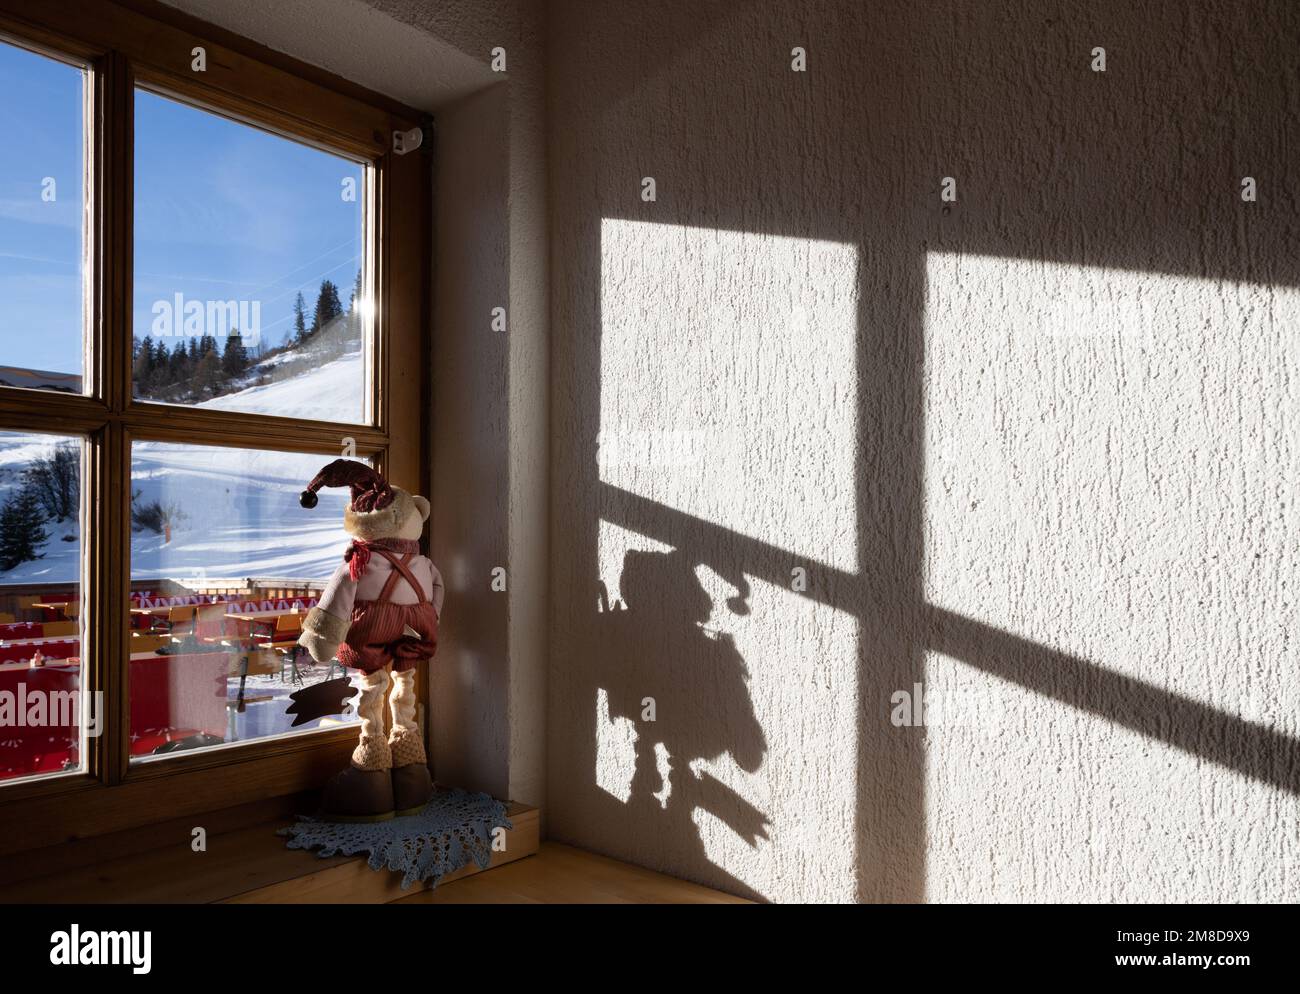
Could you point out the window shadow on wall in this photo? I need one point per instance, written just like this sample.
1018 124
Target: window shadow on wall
1081 169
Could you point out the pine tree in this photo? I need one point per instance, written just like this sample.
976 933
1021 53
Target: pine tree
234 360
328 306
207 374
159 368
182 360
142 371
299 319
21 533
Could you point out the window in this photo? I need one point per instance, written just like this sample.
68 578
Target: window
42 707
223 570
42 222
205 275
250 263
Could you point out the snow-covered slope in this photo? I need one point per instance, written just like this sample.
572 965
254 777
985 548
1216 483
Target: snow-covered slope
239 507
60 562
241 515
330 392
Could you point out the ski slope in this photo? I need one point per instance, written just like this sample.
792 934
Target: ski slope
330 392
240 515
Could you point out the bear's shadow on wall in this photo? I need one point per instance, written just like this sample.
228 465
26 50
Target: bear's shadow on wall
1137 169
684 689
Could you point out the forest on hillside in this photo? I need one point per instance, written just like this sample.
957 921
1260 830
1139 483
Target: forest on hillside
200 367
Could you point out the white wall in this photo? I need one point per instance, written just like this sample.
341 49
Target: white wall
490 428
1109 472
1036 449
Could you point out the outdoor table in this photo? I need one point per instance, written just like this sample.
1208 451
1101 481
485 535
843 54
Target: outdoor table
53 610
156 610
261 617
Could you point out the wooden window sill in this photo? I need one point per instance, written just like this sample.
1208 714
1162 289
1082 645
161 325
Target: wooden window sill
245 862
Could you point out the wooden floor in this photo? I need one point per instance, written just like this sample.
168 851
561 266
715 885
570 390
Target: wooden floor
245 861
561 874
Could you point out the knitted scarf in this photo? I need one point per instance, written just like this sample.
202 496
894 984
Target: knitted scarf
358 554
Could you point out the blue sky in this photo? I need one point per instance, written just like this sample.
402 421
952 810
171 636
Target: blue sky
223 211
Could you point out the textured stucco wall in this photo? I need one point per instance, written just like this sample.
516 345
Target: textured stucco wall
490 439
1035 449
470 685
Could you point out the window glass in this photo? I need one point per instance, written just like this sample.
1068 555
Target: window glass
42 704
225 564
42 217
250 273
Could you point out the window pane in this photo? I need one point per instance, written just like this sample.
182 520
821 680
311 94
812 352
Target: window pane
41 699
250 286
225 564
42 209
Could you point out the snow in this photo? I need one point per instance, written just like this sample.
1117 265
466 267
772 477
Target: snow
262 718
241 516
330 392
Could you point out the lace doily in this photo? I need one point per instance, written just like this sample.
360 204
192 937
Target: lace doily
454 827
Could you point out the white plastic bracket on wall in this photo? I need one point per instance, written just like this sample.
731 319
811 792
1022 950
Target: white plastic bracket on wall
407 141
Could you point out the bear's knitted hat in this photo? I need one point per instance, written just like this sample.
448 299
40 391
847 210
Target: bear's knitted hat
370 491
378 509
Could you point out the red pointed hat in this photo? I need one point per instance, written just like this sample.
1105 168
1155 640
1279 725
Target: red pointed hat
370 491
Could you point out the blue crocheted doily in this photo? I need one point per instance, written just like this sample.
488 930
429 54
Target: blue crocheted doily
454 827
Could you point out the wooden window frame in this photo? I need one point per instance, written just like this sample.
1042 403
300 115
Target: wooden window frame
132 41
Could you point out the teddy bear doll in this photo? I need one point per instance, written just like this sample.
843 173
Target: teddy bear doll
378 613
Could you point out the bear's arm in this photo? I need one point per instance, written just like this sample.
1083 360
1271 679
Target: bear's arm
327 623
339 594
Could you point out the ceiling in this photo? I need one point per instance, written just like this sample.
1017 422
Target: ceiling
352 39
